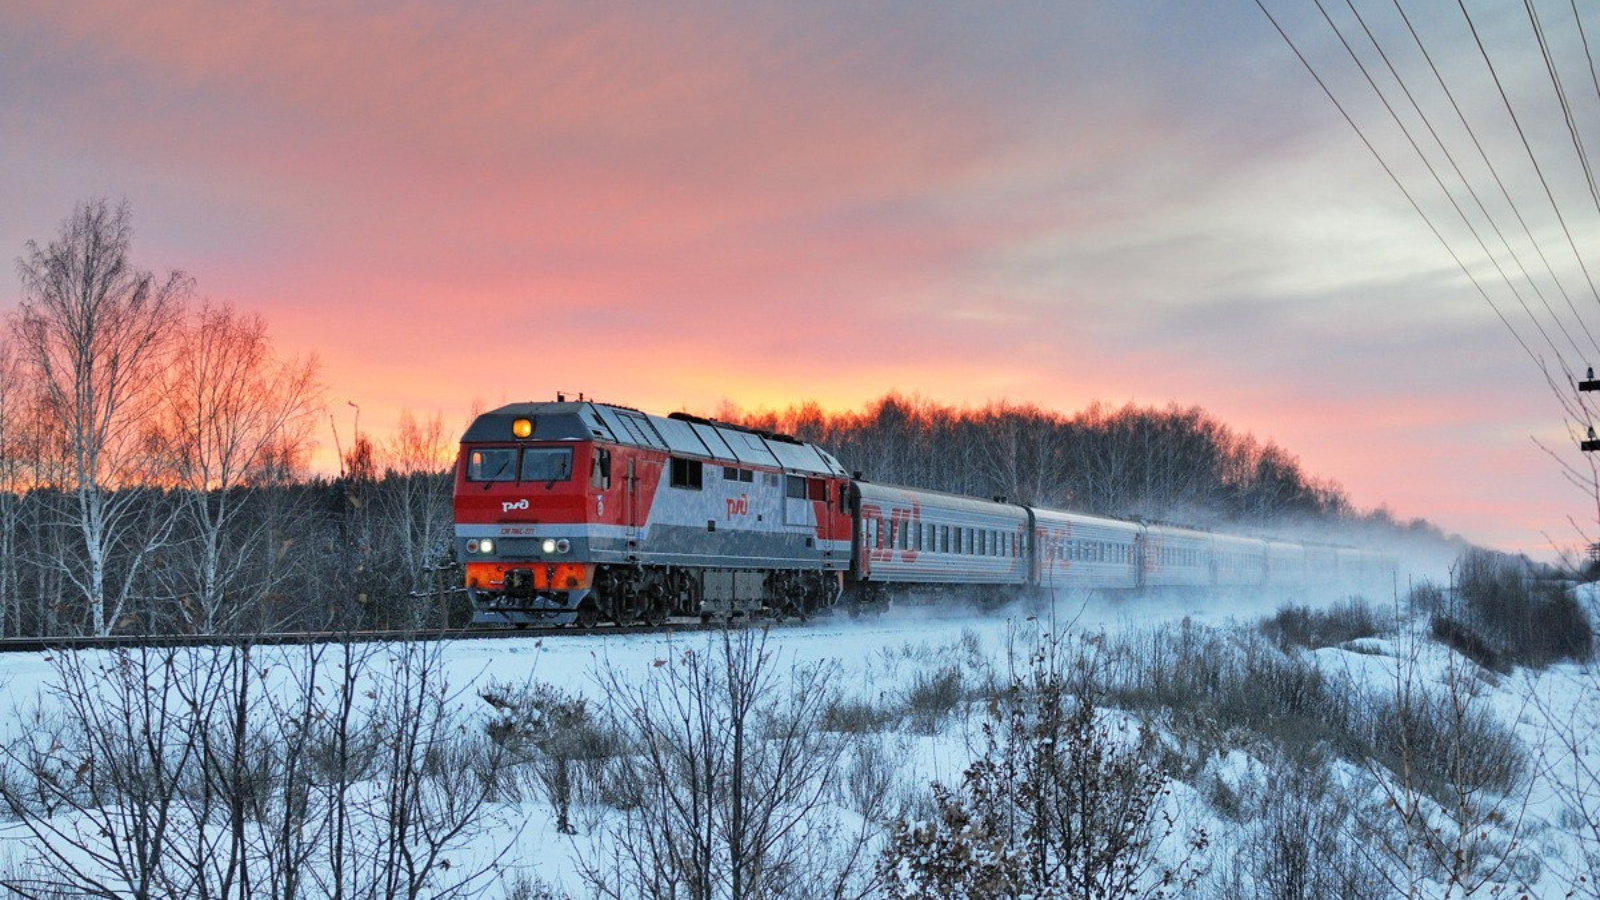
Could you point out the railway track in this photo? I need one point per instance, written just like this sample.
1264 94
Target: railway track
40 645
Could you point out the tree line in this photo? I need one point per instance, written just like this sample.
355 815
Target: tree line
1176 464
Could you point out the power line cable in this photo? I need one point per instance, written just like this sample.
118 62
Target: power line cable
1494 172
1465 182
1528 148
1438 181
1427 220
1561 95
1588 53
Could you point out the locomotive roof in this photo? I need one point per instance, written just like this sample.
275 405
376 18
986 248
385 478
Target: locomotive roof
679 434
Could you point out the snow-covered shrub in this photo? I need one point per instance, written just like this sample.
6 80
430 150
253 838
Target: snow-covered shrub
554 737
853 716
209 772
1533 621
933 697
874 779
1303 626
727 782
1225 688
1444 738
1297 840
1064 800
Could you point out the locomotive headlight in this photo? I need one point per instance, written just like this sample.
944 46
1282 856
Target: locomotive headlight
563 545
522 428
472 546
486 545
549 546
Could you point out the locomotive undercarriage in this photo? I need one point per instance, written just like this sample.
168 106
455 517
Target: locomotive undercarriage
626 594
649 595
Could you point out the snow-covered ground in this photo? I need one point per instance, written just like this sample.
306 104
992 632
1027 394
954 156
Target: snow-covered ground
878 658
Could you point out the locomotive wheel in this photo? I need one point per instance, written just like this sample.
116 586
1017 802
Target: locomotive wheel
625 609
588 614
789 597
618 602
655 606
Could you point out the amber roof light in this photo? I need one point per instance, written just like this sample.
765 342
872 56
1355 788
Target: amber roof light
522 428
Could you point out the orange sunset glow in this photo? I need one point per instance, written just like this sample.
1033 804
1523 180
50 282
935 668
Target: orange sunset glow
676 206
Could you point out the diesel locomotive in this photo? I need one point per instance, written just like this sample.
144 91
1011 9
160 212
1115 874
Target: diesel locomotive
585 512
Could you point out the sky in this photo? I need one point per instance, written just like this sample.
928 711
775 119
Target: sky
676 205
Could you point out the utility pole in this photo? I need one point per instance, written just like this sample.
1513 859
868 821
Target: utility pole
1589 383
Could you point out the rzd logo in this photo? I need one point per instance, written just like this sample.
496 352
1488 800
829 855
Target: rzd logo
508 506
739 507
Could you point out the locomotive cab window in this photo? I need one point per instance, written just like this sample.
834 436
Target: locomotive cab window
499 464
547 464
600 469
687 473
795 487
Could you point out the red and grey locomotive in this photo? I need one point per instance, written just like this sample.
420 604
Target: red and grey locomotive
586 512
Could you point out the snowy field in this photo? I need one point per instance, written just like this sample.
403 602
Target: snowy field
1538 829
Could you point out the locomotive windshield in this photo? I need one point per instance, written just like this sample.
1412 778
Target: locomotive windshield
492 465
546 465
538 464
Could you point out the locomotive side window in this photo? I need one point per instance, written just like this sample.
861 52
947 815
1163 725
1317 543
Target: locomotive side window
492 465
547 464
794 487
600 469
687 473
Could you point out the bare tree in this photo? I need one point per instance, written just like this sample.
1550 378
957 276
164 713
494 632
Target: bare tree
1295 841
727 783
11 488
1566 701
231 411
101 791
1454 784
188 773
414 504
93 329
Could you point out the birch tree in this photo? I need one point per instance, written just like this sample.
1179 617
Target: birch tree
11 488
415 498
231 410
94 329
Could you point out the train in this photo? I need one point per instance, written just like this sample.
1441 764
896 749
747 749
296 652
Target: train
582 512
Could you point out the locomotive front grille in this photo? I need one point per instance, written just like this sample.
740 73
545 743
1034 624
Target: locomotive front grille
519 547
